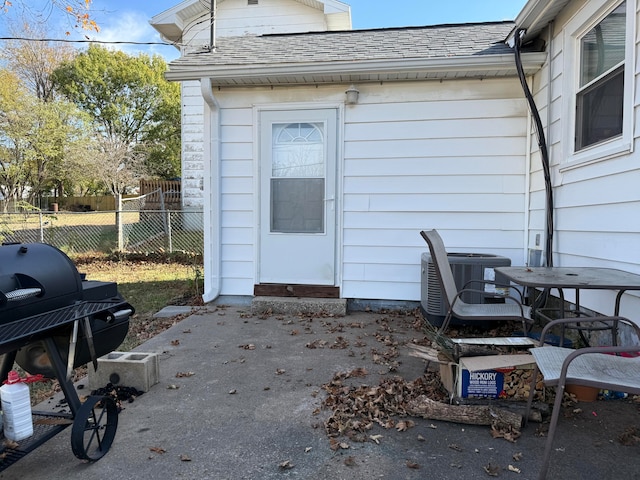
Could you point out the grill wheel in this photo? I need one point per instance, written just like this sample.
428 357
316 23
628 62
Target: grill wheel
94 428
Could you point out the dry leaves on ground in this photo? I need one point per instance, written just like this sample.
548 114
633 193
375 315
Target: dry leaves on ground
355 410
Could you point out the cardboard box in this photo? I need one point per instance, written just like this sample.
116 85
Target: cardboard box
494 376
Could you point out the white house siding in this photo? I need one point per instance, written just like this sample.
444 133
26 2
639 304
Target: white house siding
447 155
273 16
234 17
417 155
597 204
239 197
192 145
240 170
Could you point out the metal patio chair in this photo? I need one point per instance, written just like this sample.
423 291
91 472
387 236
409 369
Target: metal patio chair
600 367
511 310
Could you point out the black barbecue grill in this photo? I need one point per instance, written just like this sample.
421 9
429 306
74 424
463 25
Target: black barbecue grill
52 320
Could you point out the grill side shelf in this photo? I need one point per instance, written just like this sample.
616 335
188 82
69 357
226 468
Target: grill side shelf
37 324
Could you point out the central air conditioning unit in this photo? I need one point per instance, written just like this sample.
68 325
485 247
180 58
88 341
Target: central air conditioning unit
466 267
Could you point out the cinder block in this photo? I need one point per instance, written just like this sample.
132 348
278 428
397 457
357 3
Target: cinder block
129 369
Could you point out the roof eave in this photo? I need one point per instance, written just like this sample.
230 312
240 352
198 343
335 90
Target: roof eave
320 72
534 16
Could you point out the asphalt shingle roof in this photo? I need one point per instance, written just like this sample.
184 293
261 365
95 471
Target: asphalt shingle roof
429 42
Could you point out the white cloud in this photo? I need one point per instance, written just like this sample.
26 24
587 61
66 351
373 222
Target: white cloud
131 26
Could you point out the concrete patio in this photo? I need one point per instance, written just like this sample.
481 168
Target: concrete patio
247 412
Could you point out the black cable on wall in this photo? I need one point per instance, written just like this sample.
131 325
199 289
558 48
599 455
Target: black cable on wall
542 145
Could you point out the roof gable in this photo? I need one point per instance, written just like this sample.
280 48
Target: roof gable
172 22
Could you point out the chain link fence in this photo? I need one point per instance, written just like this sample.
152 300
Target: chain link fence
129 230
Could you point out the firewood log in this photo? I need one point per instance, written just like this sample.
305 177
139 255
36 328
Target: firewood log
424 407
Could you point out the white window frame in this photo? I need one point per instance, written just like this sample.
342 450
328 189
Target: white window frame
582 22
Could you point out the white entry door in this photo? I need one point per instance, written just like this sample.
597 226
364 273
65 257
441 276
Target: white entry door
298 211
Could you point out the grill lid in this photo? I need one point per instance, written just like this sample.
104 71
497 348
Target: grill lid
35 278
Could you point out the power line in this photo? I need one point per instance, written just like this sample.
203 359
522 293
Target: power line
67 40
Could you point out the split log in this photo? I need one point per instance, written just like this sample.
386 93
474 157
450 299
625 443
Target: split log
424 407
538 409
461 350
426 353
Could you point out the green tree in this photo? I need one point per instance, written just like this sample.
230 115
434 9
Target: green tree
162 140
57 141
15 103
130 103
42 143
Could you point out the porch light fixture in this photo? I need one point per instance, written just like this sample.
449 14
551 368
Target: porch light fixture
352 95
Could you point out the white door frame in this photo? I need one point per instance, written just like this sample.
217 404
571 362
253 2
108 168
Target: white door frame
338 108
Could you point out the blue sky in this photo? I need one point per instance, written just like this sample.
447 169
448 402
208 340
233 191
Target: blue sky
128 20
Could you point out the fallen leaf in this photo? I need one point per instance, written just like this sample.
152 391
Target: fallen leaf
514 469
184 374
175 343
280 371
350 461
53 421
307 450
404 425
185 458
421 438
159 450
517 456
172 387
344 445
10 443
401 426
630 436
492 470
233 391
432 426
358 372
286 465
413 465
188 330
248 346
455 446
376 438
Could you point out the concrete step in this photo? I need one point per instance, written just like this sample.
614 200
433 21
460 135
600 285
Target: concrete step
296 305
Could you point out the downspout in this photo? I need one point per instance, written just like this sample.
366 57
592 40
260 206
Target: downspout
212 200
542 145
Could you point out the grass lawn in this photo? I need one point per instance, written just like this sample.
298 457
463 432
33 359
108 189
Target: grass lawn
149 283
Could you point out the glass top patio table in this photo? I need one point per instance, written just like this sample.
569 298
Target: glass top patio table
578 278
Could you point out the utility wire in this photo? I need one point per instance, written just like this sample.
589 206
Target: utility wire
68 40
